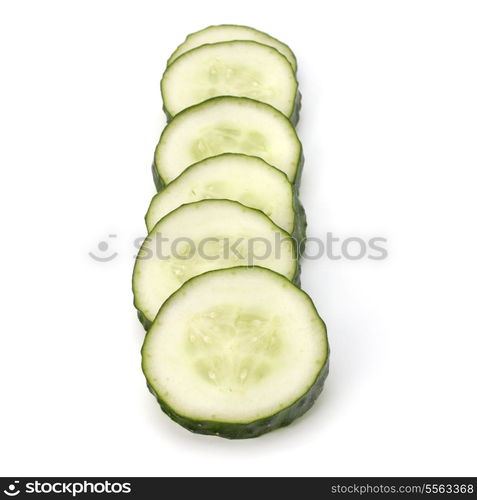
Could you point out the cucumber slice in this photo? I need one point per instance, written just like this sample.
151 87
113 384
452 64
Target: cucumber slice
246 179
238 68
227 33
227 125
236 353
199 237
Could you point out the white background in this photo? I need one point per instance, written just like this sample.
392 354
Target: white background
389 127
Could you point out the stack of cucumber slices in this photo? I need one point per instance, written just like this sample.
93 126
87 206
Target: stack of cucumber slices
234 347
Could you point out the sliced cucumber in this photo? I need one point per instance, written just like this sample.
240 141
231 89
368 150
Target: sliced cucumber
246 179
199 237
236 353
227 33
227 125
238 68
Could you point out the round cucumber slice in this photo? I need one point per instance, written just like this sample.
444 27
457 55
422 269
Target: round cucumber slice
237 68
199 237
227 33
227 125
246 179
236 353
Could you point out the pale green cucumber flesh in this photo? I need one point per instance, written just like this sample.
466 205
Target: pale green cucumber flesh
246 179
202 236
228 125
230 32
299 227
235 68
236 353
